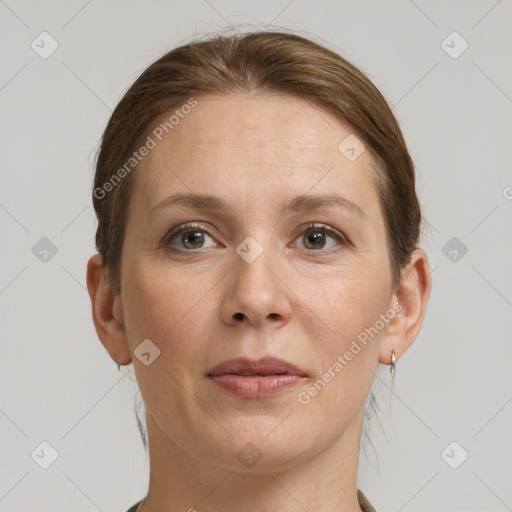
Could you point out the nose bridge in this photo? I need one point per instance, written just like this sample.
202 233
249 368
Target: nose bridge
256 292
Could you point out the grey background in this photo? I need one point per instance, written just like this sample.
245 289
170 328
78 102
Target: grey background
58 384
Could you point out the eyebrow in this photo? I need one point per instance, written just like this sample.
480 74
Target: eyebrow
305 202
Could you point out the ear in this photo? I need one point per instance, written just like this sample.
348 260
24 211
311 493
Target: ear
410 303
107 312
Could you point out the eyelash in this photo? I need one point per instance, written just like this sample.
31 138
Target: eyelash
190 226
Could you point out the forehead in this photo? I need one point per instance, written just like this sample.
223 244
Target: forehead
277 126
254 148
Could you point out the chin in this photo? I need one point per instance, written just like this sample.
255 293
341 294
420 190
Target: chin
261 444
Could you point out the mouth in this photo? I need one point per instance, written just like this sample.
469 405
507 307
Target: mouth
248 378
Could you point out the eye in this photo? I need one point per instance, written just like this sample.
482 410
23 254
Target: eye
187 237
191 237
316 237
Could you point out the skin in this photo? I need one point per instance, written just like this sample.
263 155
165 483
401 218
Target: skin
302 302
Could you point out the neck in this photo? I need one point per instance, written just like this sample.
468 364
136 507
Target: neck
324 482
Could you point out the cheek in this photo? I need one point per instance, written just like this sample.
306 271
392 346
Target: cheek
344 309
347 301
355 307
162 304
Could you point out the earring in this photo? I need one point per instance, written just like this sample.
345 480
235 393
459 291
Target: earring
118 367
393 361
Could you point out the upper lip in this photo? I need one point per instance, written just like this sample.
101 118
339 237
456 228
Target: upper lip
263 366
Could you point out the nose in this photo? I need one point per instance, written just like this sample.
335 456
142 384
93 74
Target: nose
256 292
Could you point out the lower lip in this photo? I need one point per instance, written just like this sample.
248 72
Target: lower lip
256 386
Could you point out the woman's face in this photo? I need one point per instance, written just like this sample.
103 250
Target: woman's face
251 279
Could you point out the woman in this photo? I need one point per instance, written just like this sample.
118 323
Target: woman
258 233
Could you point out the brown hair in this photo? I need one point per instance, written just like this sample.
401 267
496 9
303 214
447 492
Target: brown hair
261 62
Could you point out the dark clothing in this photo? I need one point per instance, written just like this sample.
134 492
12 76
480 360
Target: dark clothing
363 503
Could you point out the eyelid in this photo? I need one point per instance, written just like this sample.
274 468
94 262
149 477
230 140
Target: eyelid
187 226
319 226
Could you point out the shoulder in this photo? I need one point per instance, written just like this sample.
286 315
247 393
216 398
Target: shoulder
134 507
365 505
